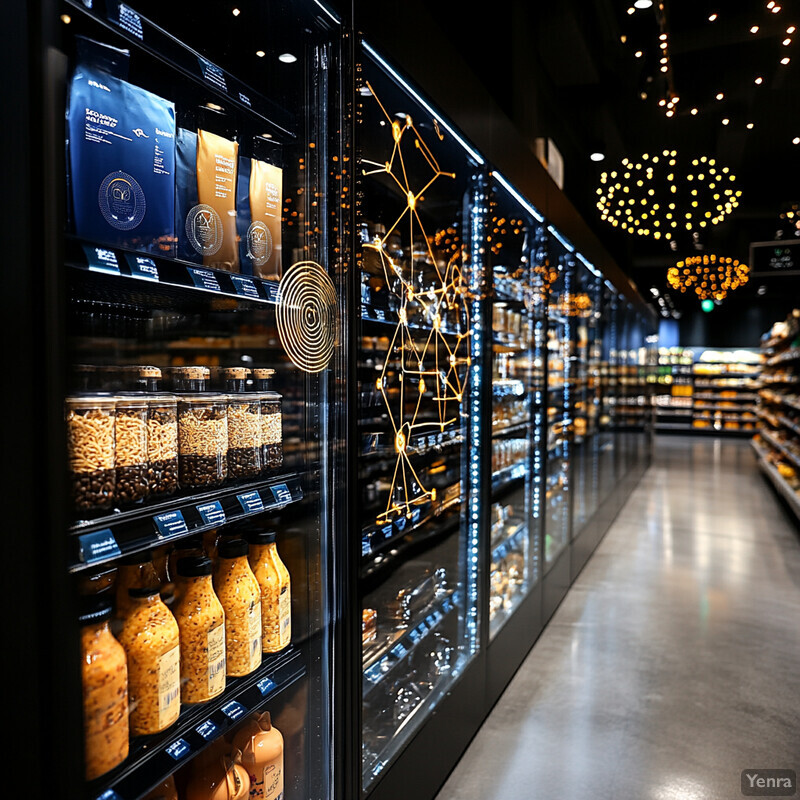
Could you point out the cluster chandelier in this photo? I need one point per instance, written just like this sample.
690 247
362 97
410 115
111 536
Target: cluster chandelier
710 277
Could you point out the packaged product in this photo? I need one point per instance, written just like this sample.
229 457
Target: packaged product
261 746
276 595
121 141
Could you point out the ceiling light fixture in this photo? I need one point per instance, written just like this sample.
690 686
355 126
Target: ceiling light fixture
720 95
710 277
597 156
785 60
643 3
754 29
758 81
287 58
712 17
236 12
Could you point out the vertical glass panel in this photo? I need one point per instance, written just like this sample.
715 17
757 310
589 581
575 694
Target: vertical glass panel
606 438
420 210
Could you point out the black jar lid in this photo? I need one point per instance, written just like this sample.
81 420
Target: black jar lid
260 536
233 548
143 591
95 609
194 566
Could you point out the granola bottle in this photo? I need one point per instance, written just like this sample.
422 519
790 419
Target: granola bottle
240 596
149 636
276 596
201 622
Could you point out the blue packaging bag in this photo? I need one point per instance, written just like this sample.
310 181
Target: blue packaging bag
121 141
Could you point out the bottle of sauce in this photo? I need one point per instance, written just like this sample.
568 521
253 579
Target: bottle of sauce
276 597
134 571
150 637
201 622
240 595
216 774
188 546
105 692
261 745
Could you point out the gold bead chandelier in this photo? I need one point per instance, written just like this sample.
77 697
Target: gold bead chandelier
708 276
656 196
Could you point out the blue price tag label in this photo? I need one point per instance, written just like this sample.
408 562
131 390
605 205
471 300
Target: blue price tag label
422 628
245 287
366 544
179 749
431 620
271 288
380 314
415 635
281 493
373 674
416 515
170 523
212 513
250 502
398 651
108 794
129 21
208 730
213 74
233 710
101 259
97 546
447 606
204 279
387 531
142 267
265 686
245 99
400 523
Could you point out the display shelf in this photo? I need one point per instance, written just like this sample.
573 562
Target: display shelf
509 542
787 423
381 444
781 448
741 398
518 427
731 409
778 399
789 355
102 539
380 660
778 481
153 758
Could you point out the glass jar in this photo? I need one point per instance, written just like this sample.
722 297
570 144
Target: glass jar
271 421
90 450
149 636
134 571
131 450
162 444
148 378
104 676
202 440
190 379
240 595
276 595
201 622
244 426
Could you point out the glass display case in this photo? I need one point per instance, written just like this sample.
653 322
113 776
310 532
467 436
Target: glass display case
203 408
516 252
609 386
421 198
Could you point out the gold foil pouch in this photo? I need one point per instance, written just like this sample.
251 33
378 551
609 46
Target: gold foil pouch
264 233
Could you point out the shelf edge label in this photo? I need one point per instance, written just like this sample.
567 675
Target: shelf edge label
212 513
213 74
97 546
282 493
204 279
245 287
250 502
265 686
101 259
208 730
170 522
142 267
178 749
233 710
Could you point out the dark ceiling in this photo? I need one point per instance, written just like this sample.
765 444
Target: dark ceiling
569 71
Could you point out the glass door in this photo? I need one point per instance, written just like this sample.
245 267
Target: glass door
420 201
202 307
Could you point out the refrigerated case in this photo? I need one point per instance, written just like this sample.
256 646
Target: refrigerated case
421 196
193 323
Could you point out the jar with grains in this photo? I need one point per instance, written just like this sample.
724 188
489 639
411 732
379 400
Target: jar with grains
148 379
131 449
105 692
90 450
240 595
134 571
162 444
150 638
244 425
276 595
190 380
271 421
202 440
201 621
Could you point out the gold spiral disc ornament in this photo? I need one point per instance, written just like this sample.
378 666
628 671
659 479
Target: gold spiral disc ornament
307 315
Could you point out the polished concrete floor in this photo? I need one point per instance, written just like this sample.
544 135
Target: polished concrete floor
674 661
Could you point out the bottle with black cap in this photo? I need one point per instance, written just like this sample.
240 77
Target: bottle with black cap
275 584
133 571
240 595
201 622
151 640
105 690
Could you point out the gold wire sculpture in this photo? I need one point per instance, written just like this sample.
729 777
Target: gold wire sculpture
436 360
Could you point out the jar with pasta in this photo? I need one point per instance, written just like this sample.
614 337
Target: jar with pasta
271 421
190 379
162 444
90 451
276 595
131 449
201 622
104 677
150 638
240 595
202 441
244 425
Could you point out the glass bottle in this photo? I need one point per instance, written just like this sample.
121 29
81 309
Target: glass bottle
149 636
201 622
105 692
134 571
275 583
261 745
240 595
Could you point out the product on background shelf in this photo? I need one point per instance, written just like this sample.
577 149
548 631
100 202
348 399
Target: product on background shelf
276 594
121 154
90 451
239 593
150 638
105 692
201 621
261 746
369 626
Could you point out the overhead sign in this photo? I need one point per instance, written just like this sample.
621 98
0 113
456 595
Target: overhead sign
775 258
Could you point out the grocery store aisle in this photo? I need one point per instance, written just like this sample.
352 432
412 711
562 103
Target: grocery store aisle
672 664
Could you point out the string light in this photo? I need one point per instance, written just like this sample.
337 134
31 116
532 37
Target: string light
710 277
